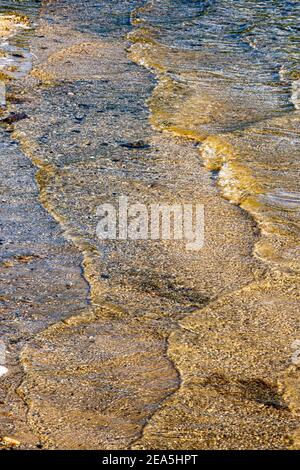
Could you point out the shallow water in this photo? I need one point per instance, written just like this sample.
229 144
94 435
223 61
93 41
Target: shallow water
17 22
149 345
229 78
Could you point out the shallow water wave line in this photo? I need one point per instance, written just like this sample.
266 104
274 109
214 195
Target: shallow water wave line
235 93
16 23
127 281
233 88
13 60
175 350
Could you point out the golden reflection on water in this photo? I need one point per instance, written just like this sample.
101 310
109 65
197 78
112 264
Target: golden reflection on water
233 95
175 350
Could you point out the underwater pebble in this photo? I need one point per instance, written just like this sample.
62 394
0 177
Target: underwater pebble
3 370
9 441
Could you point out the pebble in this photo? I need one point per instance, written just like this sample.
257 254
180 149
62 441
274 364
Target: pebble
14 117
3 370
9 441
140 144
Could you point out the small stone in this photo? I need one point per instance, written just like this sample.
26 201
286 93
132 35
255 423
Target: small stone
9 441
140 144
105 276
14 117
3 370
79 118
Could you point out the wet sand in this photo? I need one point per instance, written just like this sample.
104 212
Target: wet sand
127 344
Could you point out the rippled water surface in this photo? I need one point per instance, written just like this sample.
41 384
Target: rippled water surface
24 6
146 345
17 21
229 78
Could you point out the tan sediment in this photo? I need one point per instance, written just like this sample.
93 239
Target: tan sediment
85 377
116 433
108 377
120 420
56 64
63 65
10 23
176 110
45 174
231 369
179 107
232 357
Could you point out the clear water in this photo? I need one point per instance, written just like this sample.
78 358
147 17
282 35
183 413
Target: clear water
26 7
229 78
17 20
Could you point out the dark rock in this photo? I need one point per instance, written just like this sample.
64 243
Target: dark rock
140 144
104 276
14 117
